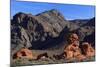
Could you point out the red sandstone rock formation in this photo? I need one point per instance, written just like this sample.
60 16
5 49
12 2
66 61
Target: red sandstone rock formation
73 37
24 52
72 50
80 57
87 49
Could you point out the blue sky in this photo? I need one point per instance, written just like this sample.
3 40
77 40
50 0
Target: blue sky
69 11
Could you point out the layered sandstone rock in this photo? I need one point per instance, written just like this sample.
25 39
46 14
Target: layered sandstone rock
72 50
24 52
80 57
73 38
87 49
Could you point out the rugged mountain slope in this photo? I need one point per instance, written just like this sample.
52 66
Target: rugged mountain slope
38 32
91 37
91 22
86 30
79 22
45 30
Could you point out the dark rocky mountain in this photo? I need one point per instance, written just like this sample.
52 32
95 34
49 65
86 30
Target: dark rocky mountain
77 23
87 31
91 22
91 37
38 32
45 30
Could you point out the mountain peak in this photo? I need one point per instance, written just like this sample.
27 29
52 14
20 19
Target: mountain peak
52 11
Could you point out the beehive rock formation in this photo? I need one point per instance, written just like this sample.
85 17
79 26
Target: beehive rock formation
87 49
24 52
73 50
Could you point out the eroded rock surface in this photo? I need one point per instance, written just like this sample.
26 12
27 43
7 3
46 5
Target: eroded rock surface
87 49
24 52
73 50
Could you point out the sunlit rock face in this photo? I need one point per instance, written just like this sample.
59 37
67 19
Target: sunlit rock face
75 50
24 52
87 49
72 50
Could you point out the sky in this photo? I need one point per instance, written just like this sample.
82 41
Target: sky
69 11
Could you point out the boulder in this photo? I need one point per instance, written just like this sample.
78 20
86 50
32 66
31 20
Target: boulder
59 56
73 38
80 57
24 52
87 49
72 50
42 56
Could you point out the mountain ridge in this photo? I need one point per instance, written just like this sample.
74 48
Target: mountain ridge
41 31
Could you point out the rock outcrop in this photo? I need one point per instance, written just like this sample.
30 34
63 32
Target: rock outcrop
77 51
42 56
73 50
31 31
86 28
23 53
87 49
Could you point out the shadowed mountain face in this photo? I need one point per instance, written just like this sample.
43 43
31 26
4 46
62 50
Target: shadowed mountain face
91 37
45 30
91 22
79 22
87 29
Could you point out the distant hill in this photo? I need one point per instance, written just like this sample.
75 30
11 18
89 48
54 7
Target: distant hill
91 22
